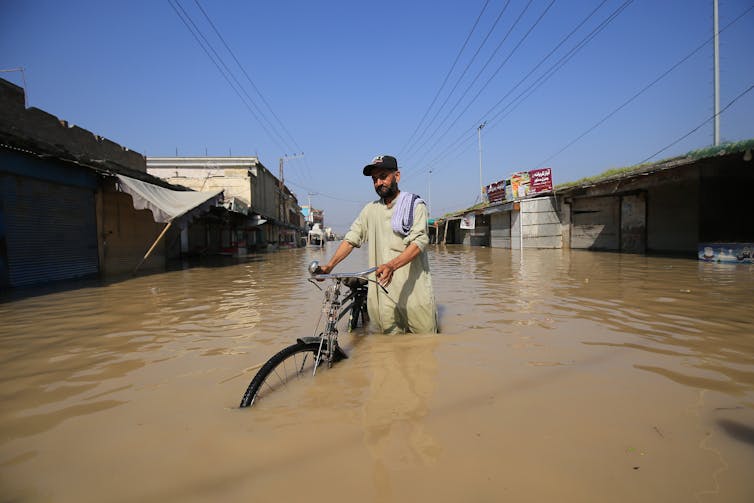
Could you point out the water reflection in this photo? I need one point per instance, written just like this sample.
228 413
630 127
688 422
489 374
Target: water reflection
401 383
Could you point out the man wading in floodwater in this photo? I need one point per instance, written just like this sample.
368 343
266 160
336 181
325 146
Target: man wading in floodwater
395 230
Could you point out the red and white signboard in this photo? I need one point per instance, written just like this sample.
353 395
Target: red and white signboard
540 180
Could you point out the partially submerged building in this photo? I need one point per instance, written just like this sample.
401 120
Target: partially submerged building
266 212
679 206
74 204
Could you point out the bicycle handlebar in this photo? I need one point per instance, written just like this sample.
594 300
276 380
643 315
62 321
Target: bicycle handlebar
314 266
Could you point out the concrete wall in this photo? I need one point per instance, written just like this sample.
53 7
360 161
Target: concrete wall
265 194
516 224
541 223
41 132
539 219
236 182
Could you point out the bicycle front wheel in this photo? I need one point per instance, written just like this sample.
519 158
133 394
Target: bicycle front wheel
293 363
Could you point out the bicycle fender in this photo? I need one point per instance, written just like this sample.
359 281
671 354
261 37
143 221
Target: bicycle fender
339 353
309 340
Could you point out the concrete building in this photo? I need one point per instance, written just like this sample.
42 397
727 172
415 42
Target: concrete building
272 216
673 207
68 208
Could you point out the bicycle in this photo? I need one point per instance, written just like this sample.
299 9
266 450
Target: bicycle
303 358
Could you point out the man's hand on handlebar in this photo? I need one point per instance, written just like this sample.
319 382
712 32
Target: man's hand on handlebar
384 274
323 269
315 269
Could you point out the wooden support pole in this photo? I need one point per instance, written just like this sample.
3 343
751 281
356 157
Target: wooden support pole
151 248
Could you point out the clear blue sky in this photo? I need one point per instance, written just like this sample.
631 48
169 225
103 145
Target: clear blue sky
342 81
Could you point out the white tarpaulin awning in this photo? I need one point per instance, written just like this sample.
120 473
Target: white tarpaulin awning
236 205
168 205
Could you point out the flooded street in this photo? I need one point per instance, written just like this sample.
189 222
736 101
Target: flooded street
557 376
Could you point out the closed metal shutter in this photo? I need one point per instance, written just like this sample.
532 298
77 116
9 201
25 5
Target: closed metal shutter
595 223
500 229
51 230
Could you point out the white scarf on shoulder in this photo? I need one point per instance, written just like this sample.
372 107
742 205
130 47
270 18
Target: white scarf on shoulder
403 216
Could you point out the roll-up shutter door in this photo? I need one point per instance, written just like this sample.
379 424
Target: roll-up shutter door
51 231
595 223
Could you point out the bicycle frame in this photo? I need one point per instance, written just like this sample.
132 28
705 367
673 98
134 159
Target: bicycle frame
292 361
331 309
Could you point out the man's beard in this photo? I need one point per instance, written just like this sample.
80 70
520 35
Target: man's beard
388 192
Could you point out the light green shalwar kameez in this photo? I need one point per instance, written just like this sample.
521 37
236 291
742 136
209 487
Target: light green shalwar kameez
409 305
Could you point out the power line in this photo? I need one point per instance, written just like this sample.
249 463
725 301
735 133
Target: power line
463 74
513 51
467 137
328 196
248 78
526 93
549 73
258 92
642 90
218 61
474 80
467 134
540 80
206 47
445 80
714 116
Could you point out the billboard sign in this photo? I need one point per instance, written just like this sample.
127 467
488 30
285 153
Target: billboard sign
496 191
520 184
540 180
468 221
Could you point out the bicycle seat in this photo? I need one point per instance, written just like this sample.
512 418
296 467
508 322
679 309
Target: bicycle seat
354 283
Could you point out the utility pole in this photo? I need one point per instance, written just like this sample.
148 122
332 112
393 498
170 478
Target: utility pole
717 72
479 136
309 196
287 158
281 186
429 195
429 208
310 216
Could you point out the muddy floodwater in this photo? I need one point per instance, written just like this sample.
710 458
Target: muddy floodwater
557 376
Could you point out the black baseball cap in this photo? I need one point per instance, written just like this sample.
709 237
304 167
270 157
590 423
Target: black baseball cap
381 161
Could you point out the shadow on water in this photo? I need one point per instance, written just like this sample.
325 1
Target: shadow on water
738 431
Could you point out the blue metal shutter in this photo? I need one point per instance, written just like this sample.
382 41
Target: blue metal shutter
51 230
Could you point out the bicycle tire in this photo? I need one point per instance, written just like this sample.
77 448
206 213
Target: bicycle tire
289 364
